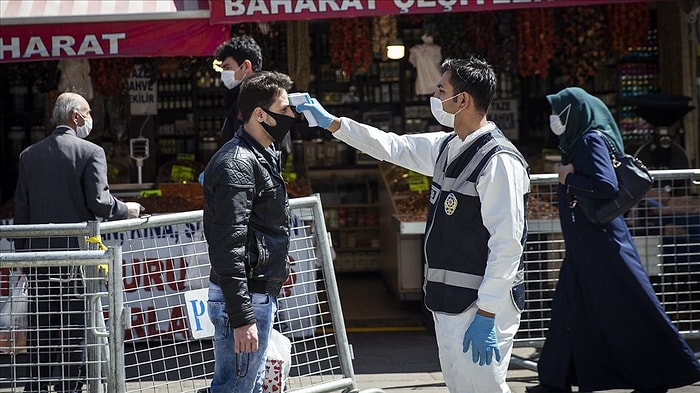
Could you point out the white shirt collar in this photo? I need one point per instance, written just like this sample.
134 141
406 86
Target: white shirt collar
457 145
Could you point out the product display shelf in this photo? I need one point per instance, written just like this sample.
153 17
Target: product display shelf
351 209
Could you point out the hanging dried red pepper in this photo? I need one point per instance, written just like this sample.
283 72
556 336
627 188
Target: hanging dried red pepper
628 25
350 45
109 75
536 41
583 46
481 29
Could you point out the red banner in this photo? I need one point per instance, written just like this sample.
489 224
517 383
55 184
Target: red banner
239 11
184 37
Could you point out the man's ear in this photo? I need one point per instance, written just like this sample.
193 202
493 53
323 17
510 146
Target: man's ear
258 114
467 99
248 66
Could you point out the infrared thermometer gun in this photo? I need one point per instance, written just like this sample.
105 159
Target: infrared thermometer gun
300 98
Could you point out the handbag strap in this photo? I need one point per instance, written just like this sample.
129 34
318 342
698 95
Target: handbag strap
611 149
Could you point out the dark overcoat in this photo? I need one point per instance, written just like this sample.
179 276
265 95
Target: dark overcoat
608 329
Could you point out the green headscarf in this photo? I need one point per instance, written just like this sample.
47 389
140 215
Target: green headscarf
586 113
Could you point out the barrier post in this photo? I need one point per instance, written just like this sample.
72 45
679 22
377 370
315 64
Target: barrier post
117 377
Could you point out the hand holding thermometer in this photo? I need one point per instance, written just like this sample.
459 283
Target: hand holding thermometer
300 98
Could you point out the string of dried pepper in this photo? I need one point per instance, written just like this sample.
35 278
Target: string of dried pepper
350 45
583 46
536 41
628 24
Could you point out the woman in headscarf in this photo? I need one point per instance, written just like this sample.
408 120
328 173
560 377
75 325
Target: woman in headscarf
608 329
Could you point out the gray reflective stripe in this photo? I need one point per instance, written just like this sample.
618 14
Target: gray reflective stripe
455 279
464 280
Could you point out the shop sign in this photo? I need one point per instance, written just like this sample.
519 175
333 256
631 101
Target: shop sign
239 11
187 37
142 92
504 113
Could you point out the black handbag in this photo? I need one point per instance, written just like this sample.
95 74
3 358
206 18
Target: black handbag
633 181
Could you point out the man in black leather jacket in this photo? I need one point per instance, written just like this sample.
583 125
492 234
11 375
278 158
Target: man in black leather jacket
246 224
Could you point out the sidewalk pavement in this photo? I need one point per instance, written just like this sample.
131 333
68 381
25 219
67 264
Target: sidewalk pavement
407 362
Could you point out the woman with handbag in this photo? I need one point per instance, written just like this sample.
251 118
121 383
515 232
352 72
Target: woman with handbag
608 329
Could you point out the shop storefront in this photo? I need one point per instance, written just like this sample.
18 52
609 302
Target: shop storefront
166 92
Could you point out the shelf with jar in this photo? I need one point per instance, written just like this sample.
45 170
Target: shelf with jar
351 210
210 110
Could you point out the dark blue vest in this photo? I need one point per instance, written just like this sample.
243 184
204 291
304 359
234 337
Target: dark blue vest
456 240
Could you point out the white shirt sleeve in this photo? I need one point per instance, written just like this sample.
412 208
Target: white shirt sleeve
501 188
417 152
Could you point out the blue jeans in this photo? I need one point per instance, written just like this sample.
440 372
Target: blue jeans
239 372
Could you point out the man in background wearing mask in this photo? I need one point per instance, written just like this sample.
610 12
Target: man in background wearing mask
62 179
476 226
239 57
246 224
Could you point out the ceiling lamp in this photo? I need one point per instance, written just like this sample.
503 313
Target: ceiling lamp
395 50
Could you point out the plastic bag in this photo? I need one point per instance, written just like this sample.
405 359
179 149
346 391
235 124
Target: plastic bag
13 316
277 362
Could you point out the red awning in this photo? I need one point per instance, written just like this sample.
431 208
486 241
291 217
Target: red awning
53 29
240 11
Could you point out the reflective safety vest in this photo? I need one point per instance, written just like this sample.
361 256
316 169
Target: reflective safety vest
456 240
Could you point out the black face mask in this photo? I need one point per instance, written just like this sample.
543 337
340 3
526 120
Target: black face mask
279 130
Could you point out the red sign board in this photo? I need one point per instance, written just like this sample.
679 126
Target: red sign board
239 11
185 37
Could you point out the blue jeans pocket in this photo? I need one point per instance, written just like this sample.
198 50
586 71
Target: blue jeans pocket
219 318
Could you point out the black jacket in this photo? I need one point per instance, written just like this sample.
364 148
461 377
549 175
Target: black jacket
233 120
246 224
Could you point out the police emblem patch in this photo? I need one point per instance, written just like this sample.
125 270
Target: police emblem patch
450 204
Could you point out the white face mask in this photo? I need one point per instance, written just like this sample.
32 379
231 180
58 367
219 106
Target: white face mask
442 117
84 130
228 77
555 123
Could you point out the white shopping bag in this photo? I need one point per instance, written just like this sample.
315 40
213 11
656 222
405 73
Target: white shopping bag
277 362
13 316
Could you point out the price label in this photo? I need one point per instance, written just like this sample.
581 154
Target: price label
147 193
185 156
417 182
181 173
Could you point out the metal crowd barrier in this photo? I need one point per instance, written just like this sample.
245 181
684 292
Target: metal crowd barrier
666 229
165 270
163 282
18 340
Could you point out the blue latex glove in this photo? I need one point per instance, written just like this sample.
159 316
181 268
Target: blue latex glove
482 336
323 118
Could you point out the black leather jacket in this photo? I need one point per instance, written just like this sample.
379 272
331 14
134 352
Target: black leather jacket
246 224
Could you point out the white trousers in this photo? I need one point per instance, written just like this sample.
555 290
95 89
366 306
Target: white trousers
461 374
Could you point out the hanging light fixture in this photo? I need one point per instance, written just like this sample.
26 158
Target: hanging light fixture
395 50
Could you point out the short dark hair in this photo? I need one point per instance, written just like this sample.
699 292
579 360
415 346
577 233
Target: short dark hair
241 48
261 90
473 75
